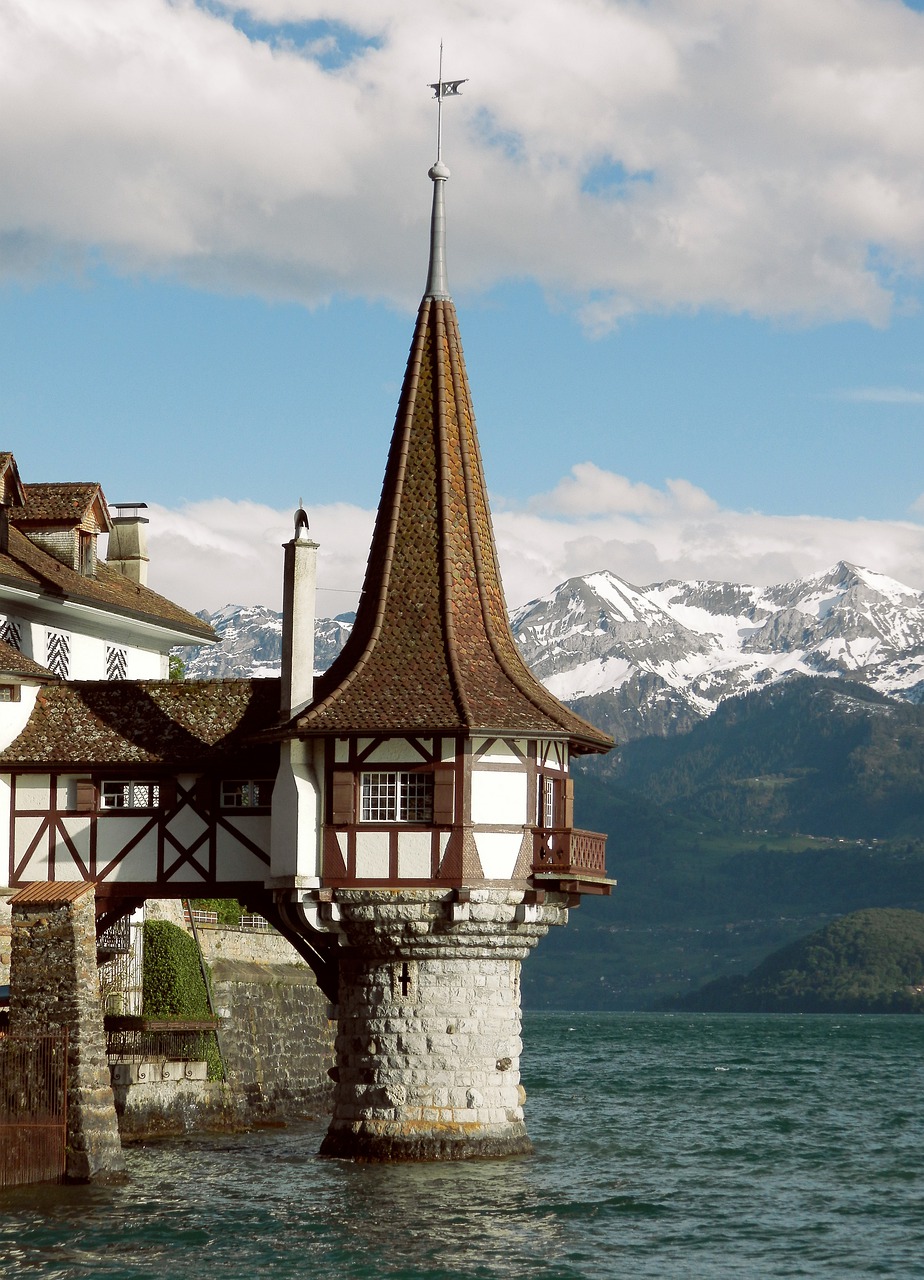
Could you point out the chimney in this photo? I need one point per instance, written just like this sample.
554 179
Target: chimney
128 542
298 610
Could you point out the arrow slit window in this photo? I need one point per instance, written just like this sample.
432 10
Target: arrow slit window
396 797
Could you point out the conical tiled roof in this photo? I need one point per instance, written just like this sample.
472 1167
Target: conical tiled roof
431 650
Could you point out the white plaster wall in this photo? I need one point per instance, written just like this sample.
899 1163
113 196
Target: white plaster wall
112 834
186 828
6 800
498 752
414 855
396 751
498 853
372 854
235 862
78 829
498 799
32 791
296 821
15 715
23 834
88 654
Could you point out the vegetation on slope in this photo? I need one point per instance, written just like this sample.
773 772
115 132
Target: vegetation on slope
787 808
868 962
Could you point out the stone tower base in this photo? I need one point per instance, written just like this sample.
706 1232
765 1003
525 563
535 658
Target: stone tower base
428 1044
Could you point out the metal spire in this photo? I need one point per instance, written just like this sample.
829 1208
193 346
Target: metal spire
437 283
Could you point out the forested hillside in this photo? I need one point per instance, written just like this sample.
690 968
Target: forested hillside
787 808
868 962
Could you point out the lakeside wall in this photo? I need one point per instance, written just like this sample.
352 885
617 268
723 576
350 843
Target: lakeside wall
276 1038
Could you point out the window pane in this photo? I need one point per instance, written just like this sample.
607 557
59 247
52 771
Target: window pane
115 795
379 797
417 797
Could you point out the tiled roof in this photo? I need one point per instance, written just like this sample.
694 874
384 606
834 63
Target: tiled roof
150 722
14 663
59 503
24 562
431 648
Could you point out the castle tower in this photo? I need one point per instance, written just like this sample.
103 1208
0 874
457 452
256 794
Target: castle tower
435 844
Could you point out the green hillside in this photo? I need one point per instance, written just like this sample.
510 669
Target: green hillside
785 809
867 962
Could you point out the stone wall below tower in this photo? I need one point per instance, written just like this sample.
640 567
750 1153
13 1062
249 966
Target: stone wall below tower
55 987
428 1043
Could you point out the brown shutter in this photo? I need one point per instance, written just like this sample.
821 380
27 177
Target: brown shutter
342 801
168 793
86 796
568 804
443 798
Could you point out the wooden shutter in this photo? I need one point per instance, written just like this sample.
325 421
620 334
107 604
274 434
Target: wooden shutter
443 798
568 804
342 798
86 796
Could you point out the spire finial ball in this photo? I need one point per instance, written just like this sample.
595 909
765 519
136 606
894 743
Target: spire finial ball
439 172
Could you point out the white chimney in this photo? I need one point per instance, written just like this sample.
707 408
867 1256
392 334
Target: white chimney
298 609
128 542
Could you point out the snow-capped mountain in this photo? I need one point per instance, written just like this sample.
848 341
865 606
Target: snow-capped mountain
251 643
656 659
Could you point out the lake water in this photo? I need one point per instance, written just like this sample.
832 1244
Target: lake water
666 1146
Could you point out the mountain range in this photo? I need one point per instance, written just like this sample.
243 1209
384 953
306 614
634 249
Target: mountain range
771 774
658 659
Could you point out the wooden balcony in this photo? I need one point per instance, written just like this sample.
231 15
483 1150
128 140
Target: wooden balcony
569 854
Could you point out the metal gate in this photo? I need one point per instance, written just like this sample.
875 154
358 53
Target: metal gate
33 1108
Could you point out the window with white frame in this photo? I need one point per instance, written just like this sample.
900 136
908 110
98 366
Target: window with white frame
547 802
130 795
396 797
249 794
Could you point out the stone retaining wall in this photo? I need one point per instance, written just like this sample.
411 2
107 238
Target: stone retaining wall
276 1038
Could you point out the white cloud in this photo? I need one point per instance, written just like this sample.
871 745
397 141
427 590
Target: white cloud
881 395
765 157
208 554
213 553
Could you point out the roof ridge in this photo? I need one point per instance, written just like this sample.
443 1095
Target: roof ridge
452 653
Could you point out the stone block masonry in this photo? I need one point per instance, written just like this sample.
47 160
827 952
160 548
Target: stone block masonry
55 986
276 1039
428 1043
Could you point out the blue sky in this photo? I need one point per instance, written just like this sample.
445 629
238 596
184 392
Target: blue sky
686 252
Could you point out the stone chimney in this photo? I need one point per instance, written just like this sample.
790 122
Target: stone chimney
298 609
128 542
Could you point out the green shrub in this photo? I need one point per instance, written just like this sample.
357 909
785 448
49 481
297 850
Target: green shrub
173 987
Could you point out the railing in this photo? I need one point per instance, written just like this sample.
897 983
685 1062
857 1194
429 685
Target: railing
569 852
117 938
33 1108
203 917
256 922
161 1043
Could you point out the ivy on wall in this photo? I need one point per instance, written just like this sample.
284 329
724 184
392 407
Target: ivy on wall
173 986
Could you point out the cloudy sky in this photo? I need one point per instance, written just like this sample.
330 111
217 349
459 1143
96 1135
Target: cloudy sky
686 244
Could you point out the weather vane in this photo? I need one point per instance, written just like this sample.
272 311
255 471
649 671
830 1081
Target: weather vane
443 89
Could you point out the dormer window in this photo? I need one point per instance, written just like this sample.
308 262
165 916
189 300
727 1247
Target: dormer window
86 553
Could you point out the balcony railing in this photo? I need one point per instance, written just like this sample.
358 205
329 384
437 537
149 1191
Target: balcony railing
569 852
